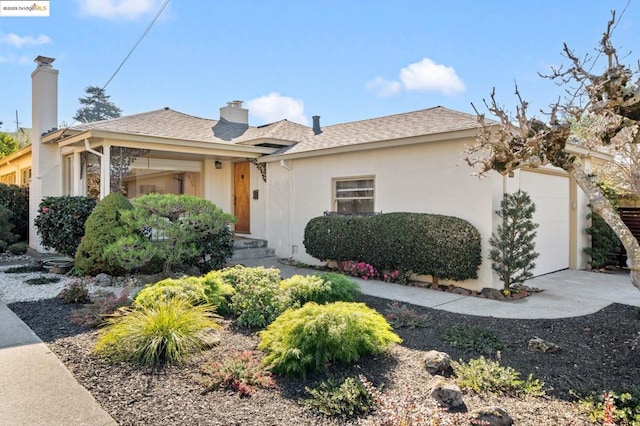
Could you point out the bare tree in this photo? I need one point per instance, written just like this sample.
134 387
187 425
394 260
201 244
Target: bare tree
601 111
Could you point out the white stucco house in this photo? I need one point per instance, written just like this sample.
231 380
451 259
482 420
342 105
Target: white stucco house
276 177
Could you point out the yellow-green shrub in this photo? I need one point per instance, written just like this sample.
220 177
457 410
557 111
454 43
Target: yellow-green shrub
308 338
164 331
320 288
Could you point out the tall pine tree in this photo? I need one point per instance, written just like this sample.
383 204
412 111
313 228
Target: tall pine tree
96 106
513 252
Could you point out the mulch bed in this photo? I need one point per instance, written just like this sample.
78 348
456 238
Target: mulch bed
598 352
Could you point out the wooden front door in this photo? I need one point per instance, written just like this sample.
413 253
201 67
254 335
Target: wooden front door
241 187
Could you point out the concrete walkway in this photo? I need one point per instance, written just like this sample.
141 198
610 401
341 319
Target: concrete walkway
568 293
37 389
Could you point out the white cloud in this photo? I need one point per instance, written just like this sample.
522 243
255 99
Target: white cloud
114 9
427 76
274 107
423 76
18 41
384 88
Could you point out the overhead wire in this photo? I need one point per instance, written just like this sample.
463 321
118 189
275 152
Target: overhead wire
117 70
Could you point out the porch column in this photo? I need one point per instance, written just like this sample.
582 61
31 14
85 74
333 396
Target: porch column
77 163
105 171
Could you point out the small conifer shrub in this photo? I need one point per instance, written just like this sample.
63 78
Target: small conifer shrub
313 336
102 228
513 247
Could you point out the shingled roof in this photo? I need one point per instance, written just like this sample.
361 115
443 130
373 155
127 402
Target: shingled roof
167 123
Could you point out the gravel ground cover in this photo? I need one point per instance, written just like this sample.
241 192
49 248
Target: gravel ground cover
598 352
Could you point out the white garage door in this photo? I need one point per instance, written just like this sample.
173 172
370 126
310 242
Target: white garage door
550 194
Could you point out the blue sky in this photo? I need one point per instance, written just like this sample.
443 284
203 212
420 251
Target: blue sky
344 60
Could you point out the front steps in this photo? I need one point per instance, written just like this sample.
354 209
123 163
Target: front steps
249 249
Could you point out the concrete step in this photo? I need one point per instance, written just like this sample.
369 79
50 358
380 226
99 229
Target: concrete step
252 253
267 262
241 243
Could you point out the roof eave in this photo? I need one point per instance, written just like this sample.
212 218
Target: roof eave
161 141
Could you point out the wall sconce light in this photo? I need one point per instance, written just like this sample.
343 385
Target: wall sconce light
218 164
592 177
511 174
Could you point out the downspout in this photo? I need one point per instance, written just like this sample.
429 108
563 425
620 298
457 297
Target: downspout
284 165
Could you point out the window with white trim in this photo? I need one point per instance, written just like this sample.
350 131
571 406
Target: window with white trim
354 195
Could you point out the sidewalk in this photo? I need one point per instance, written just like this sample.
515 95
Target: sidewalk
36 389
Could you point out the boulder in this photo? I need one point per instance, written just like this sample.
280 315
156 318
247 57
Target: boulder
446 392
492 293
493 416
437 362
540 345
102 280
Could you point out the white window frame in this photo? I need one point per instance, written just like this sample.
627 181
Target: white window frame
335 191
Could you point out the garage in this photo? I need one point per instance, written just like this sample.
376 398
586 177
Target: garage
551 195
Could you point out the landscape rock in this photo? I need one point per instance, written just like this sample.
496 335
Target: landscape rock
102 280
492 293
494 416
446 392
193 271
540 345
437 362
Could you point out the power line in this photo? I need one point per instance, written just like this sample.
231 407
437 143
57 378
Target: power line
144 34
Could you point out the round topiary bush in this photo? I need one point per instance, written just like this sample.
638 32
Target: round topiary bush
308 338
103 228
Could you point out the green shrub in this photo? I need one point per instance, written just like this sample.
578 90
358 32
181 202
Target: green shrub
470 338
166 331
623 406
76 292
344 398
257 300
605 245
180 225
214 250
60 222
18 248
218 292
309 338
442 246
241 372
321 288
483 375
7 236
16 200
103 228
401 316
190 289
512 251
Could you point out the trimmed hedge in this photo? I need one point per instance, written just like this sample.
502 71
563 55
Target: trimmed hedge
16 200
445 247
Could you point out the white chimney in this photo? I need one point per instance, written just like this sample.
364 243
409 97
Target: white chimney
234 113
45 163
